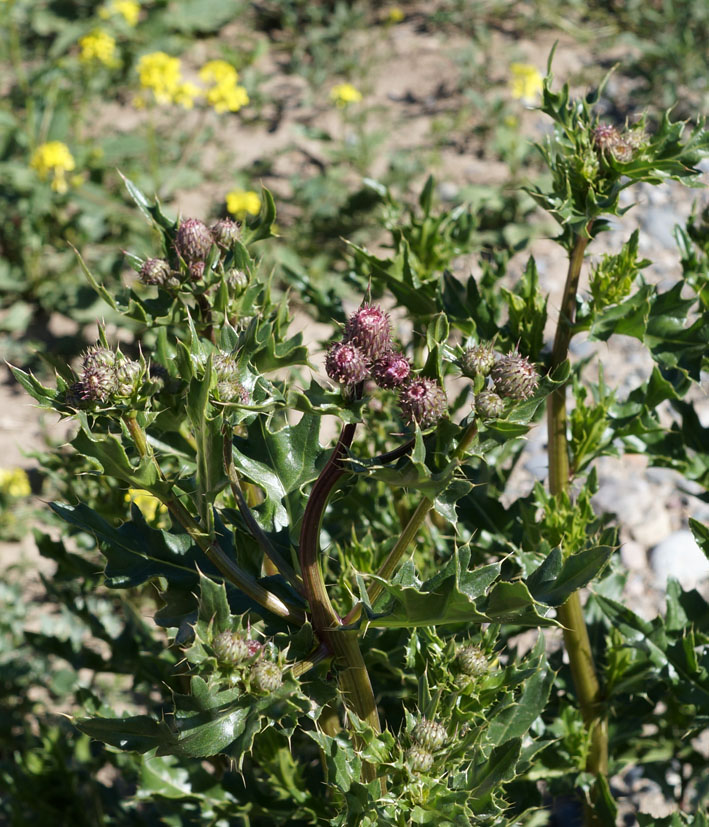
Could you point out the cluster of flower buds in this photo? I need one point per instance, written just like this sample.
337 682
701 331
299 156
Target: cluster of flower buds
193 242
105 375
232 650
608 140
428 737
367 351
513 377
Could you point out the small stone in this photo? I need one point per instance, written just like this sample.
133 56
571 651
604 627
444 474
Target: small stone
634 556
680 557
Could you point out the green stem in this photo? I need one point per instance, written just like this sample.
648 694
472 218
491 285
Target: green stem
229 569
576 639
388 567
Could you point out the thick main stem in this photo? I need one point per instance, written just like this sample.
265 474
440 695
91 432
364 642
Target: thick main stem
353 677
576 640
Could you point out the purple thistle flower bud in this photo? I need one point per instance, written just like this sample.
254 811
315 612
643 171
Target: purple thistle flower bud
266 676
226 232
423 401
98 382
605 137
254 647
429 734
196 270
369 329
419 759
477 360
194 240
346 363
230 648
515 377
391 371
472 661
154 271
489 405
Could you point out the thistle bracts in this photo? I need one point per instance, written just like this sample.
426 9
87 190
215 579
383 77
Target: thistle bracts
266 677
391 371
155 271
477 360
346 363
226 232
423 401
489 405
369 329
419 759
194 240
472 661
230 649
429 734
515 377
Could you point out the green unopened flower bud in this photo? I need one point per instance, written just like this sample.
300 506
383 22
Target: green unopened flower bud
489 405
472 661
368 328
423 401
128 373
419 759
229 387
477 360
237 280
230 648
98 357
266 676
515 377
154 271
429 734
226 232
193 240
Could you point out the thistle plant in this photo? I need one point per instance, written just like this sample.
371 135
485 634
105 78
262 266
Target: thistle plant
337 620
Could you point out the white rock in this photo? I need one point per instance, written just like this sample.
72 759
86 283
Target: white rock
680 557
634 556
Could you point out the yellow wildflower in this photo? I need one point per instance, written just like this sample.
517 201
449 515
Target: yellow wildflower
243 202
226 98
150 506
218 71
98 46
127 9
185 94
53 158
14 483
225 95
161 74
395 15
526 83
344 94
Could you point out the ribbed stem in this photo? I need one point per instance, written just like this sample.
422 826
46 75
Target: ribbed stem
576 640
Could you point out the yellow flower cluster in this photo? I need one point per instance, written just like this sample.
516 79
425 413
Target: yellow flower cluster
395 15
53 158
150 506
344 94
14 483
224 94
162 75
98 46
526 83
243 202
127 9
